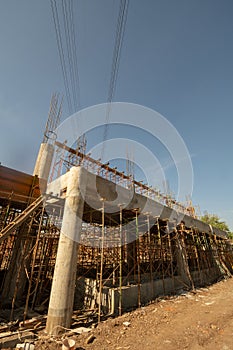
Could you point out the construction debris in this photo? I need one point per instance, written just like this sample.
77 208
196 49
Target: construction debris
13 338
90 339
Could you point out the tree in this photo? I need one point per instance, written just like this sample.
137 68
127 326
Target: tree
230 235
214 220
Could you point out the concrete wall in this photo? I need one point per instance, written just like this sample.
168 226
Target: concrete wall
87 295
151 290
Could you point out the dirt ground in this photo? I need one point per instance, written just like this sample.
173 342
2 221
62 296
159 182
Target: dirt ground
196 320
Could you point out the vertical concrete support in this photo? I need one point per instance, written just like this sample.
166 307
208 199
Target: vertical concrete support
63 286
131 253
131 256
182 262
44 161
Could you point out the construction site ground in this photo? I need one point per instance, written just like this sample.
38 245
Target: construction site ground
200 319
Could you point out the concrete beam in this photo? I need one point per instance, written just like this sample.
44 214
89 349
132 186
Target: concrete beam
97 187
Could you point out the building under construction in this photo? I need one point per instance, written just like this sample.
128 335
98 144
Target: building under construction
62 248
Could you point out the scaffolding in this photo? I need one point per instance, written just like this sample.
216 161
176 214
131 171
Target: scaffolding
113 256
115 250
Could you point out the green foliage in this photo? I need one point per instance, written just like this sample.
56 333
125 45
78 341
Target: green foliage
214 220
230 235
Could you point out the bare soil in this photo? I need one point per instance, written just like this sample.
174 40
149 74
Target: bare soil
202 319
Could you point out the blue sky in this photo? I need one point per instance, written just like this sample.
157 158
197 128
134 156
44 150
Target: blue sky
177 58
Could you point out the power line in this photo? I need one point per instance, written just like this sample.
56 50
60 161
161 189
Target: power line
61 51
75 56
119 38
69 63
121 22
69 43
67 48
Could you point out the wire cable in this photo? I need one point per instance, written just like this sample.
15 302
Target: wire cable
61 52
75 56
119 38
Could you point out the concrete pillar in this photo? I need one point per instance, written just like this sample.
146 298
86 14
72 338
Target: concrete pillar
131 253
182 262
63 286
44 161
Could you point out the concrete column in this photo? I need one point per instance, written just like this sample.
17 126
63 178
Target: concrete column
131 252
44 161
63 286
182 262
